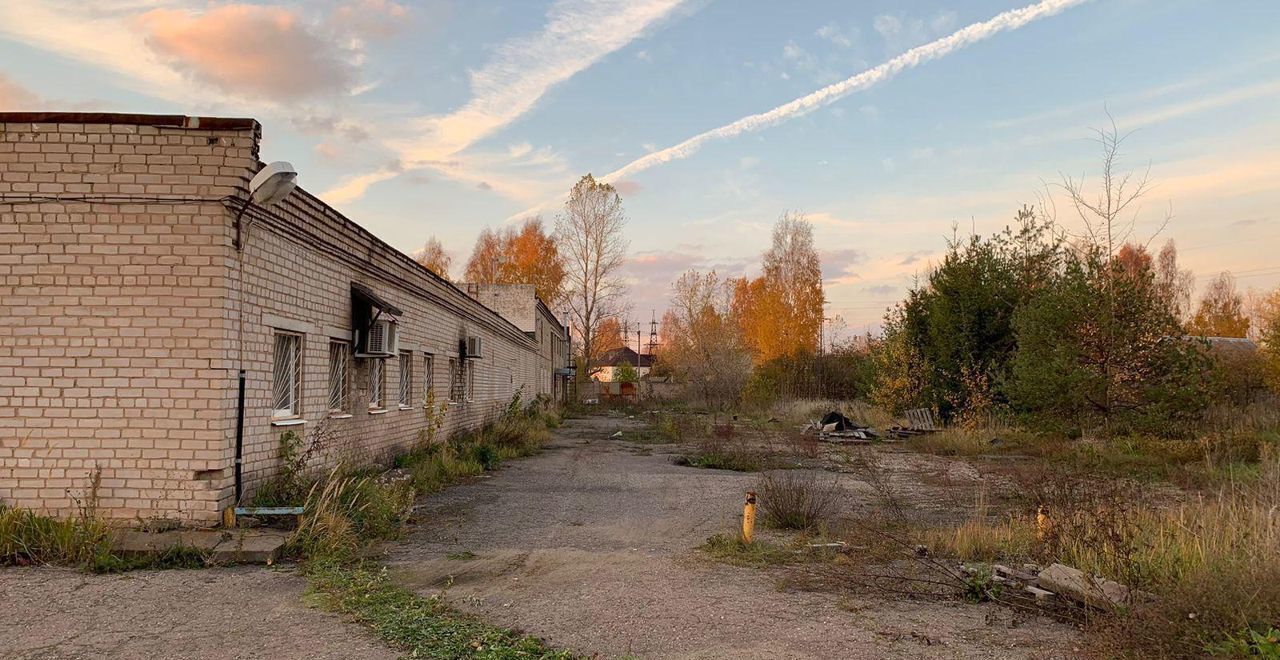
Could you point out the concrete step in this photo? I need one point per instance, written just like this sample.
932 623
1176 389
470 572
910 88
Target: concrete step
231 546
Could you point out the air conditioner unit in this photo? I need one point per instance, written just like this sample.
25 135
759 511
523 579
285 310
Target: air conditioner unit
380 340
475 346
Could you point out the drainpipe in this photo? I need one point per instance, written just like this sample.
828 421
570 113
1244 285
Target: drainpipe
240 442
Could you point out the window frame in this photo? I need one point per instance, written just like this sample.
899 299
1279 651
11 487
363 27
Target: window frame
340 353
455 381
405 393
469 374
377 385
428 377
295 408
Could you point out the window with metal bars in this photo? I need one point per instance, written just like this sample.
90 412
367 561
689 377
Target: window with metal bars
286 382
428 377
339 368
377 383
455 381
406 379
471 380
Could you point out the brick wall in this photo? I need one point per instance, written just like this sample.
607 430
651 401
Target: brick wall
299 266
126 314
114 356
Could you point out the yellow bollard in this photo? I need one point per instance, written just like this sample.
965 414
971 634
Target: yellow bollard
1043 524
749 517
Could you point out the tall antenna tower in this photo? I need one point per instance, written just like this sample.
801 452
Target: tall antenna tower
653 331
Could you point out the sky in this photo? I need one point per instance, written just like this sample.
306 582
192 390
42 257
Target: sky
890 123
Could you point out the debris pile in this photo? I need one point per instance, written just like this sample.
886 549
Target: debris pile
1057 584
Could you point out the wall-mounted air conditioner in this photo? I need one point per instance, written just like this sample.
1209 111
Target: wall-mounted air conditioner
475 346
380 340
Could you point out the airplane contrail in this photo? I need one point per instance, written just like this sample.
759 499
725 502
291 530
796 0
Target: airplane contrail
1004 22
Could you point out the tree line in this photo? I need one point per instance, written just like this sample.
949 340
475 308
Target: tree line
1079 332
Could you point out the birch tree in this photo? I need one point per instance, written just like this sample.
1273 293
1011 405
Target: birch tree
591 242
435 258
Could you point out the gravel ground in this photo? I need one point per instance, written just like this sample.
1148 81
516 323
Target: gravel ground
244 612
589 545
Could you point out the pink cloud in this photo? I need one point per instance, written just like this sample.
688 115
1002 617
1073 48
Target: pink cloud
266 52
626 187
14 96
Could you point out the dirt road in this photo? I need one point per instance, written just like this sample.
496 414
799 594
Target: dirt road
590 546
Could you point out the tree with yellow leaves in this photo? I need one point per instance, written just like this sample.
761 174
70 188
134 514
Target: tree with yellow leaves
435 258
780 312
519 256
1221 312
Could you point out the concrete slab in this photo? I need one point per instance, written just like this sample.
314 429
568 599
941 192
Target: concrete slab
237 546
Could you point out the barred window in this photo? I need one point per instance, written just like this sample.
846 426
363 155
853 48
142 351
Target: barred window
428 378
377 382
339 366
286 383
471 380
406 379
455 381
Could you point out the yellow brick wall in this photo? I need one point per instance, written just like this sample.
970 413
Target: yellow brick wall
124 320
113 318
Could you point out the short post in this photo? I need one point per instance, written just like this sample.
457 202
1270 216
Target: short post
1042 523
749 517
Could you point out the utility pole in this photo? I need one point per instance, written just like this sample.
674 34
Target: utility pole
653 331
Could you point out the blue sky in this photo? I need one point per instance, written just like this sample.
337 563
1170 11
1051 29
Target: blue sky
441 117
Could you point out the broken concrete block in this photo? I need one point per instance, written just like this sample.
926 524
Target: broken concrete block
1013 573
1073 583
1042 596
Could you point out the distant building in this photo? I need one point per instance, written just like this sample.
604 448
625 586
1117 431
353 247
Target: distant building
608 363
520 304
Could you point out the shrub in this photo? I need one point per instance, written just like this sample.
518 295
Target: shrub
795 499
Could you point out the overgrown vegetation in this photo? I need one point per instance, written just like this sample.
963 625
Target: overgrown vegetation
346 512
421 626
1212 563
82 540
797 499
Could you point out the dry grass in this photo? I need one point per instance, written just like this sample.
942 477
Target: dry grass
1212 562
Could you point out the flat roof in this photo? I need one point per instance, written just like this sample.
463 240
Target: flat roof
138 119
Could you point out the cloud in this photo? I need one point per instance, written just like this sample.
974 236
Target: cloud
354 188
1009 20
330 125
900 33
258 51
880 289
911 258
326 151
839 263
832 33
627 187
370 18
14 96
578 34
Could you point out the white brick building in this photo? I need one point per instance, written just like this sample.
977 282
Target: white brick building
127 313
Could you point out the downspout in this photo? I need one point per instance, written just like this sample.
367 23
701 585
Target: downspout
240 441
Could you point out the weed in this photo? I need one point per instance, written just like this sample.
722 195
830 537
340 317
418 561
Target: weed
465 555
796 499
733 550
725 451
27 538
